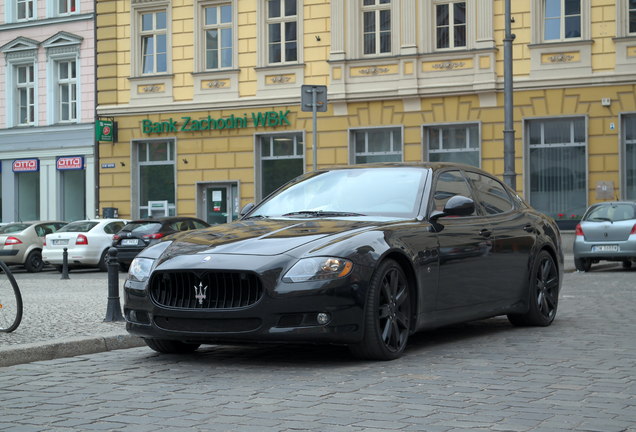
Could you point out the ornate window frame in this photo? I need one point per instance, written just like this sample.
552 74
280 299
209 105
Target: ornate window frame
62 46
19 52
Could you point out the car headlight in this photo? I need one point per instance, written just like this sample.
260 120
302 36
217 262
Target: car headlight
139 269
319 268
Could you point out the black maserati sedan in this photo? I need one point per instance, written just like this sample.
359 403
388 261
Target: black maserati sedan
362 256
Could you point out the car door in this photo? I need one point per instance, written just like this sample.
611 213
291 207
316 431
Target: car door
465 247
513 235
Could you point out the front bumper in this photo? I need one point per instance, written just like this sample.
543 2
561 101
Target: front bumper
286 312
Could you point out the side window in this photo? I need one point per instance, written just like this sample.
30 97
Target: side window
113 227
198 225
448 185
39 230
492 195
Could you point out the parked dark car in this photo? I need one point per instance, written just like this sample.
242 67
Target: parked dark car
141 233
607 232
361 256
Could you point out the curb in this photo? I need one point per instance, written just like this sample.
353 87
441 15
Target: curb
68 347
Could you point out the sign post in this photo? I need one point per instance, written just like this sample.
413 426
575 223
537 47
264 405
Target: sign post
314 98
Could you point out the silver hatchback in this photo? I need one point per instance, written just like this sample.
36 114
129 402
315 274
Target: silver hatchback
607 232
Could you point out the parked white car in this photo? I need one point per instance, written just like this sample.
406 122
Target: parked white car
87 243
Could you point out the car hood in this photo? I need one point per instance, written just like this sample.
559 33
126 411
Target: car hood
265 237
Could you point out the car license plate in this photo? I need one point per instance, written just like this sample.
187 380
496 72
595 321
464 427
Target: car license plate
59 242
129 242
606 248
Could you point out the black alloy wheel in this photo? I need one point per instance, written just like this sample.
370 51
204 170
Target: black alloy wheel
544 293
387 321
583 264
34 263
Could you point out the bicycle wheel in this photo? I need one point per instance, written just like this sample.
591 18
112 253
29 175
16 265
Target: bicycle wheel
10 301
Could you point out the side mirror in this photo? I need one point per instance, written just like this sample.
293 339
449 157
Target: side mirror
458 205
246 209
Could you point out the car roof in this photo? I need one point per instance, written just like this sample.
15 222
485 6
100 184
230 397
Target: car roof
435 166
164 219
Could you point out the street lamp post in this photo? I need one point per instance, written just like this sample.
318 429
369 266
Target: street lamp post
510 177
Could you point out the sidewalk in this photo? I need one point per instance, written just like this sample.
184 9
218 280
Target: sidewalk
63 318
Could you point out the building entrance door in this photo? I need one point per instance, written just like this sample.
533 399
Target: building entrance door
220 202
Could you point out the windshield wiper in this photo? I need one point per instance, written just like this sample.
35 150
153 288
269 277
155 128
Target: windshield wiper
321 213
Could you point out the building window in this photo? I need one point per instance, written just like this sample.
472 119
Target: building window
281 159
376 27
629 151
25 10
25 91
282 31
156 174
453 143
557 166
66 7
561 19
450 25
377 145
67 90
632 16
153 42
217 26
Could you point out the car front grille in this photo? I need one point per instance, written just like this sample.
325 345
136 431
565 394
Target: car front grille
205 290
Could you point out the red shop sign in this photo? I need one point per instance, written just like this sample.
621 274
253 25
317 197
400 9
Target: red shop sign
26 165
70 162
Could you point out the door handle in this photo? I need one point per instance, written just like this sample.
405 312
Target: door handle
485 233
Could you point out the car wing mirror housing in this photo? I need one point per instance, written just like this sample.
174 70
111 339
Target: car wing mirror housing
458 205
246 209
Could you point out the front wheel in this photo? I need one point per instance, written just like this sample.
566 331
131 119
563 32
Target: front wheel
10 301
166 346
544 293
387 318
34 262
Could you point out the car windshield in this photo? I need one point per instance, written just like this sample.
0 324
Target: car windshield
79 226
389 191
13 228
142 227
610 212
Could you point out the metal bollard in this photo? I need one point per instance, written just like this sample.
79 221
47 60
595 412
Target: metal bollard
113 309
65 264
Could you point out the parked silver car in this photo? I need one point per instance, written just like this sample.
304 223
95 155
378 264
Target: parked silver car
607 232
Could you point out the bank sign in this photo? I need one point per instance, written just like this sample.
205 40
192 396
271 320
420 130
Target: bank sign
188 124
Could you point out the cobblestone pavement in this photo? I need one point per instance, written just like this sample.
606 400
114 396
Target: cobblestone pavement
577 375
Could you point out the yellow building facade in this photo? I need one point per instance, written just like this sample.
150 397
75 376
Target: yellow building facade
206 96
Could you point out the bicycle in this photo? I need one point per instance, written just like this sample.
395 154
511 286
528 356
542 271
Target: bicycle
10 301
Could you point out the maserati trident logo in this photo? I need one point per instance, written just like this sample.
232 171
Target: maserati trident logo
199 292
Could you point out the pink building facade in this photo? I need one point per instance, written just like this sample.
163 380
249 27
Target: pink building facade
47 110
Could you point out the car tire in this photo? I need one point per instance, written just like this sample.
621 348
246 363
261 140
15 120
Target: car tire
59 268
543 293
34 262
627 264
103 261
165 346
583 264
387 316
124 267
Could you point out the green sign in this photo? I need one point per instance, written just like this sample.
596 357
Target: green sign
188 124
105 130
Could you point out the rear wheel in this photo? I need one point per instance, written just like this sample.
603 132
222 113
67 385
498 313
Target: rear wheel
103 261
583 264
387 315
627 264
166 346
34 263
544 293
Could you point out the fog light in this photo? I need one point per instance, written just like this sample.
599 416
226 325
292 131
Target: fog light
323 318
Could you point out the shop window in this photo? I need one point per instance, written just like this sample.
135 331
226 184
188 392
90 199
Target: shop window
561 19
629 151
453 143
28 195
450 25
557 166
156 174
218 35
73 203
282 31
376 26
376 145
281 158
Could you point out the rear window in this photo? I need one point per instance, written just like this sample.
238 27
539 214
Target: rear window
610 212
81 226
13 228
142 227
